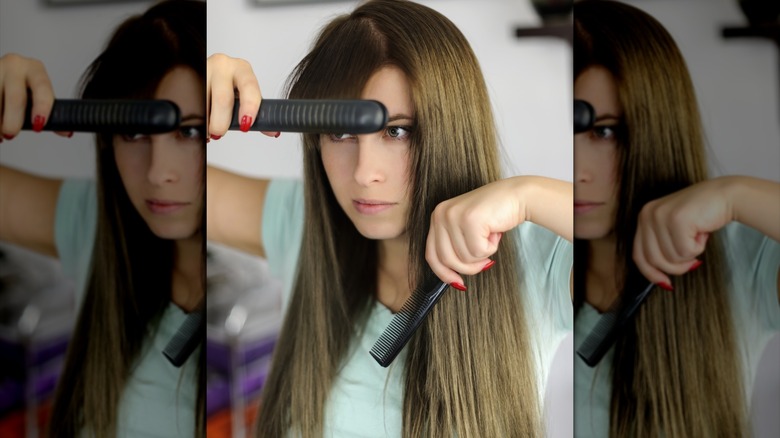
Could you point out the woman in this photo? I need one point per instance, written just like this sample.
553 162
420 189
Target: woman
132 240
645 210
373 212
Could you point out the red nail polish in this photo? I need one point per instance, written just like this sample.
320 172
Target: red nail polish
666 286
695 265
246 123
8 137
216 137
489 265
277 135
458 286
38 123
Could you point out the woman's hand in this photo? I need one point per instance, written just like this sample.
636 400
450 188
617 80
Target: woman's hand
465 231
227 78
672 231
17 75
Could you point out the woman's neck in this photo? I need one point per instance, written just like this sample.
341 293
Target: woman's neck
187 281
600 279
393 274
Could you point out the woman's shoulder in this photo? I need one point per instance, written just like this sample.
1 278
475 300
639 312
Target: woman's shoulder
75 224
753 264
546 261
748 250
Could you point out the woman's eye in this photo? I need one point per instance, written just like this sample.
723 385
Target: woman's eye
605 132
340 137
134 137
399 132
193 132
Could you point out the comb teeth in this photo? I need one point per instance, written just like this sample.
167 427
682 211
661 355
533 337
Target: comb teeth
603 335
186 339
597 343
405 323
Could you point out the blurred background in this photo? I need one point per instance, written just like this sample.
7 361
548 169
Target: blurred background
529 78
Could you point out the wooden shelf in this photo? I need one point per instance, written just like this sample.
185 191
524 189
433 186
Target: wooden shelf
769 31
563 31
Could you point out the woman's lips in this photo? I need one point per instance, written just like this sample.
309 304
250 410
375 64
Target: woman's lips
581 207
371 206
158 206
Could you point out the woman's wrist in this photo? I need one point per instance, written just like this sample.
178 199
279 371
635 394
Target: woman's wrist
753 202
546 202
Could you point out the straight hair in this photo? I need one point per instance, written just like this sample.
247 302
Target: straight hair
130 279
662 369
470 368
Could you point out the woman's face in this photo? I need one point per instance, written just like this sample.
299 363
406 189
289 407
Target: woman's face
369 172
163 173
595 154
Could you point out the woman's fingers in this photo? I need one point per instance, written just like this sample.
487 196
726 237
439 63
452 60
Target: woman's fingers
228 78
18 75
673 231
433 256
42 94
459 241
646 258
249 93
220 94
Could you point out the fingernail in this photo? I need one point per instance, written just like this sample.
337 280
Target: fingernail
216 137
38 123
8 137
666 286
70 134
458 286
277 135
695 265
488 265
246 122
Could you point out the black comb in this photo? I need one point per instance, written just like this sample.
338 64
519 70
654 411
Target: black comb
115 116
186 339
406 321
610 324
316 116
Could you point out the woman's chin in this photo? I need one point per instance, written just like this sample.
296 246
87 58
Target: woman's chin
379 232
174 232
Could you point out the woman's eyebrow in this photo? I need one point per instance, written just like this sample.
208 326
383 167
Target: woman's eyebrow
396 117
192 117
607 117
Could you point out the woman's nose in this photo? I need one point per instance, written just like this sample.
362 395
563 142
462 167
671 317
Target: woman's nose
162 160
582 172
369 162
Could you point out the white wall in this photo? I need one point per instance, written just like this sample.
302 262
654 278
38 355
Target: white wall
66 39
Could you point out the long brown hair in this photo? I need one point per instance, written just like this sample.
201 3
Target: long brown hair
663 371
469 369
130 279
